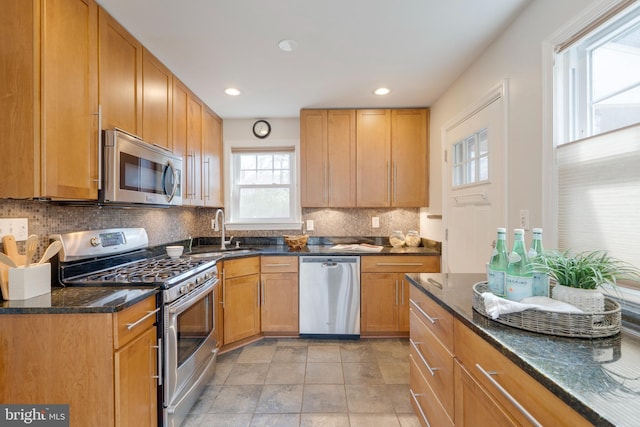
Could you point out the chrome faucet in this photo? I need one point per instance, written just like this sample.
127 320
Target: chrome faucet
223 242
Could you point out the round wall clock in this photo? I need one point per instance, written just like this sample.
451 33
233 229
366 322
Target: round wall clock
261 129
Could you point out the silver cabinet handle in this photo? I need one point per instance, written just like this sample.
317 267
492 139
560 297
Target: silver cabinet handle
388 182
130 326
505 393
414 396
398 264
424 313
402 288
432 371
395 181
159 359
99 114
208 189
277 265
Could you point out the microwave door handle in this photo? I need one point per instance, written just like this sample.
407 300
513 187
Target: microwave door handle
175 181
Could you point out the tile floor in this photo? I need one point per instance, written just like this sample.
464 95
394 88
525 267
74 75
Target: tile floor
300 382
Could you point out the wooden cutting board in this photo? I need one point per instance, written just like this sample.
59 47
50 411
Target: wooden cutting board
11 249
4 281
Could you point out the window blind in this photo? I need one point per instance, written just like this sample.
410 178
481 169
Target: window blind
599 194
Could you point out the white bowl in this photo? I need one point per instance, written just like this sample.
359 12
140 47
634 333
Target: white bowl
174 251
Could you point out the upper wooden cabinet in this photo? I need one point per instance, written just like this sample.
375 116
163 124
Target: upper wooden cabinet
392 147
187 141
328 158
212 177
120 87
48 81
157 91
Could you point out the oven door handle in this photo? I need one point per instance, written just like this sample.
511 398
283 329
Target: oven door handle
185 303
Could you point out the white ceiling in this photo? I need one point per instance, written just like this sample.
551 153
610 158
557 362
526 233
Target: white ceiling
346 48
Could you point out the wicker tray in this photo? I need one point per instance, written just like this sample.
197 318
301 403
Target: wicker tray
583 325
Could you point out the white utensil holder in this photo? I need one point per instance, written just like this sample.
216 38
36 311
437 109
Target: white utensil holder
29 282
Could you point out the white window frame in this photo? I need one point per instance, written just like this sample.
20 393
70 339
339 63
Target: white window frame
470 163
556 120
293 222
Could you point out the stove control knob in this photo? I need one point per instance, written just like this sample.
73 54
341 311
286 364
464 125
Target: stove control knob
199 280
183 289
191 286
95 241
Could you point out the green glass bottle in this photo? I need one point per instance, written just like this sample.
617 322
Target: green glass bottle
540 284
519 278
496 273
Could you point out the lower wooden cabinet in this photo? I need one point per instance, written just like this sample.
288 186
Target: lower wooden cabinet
241 298
516 393
475 406
279 295
105 372
385 293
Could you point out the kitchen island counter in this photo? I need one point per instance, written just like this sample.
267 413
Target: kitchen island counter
599 378
78 299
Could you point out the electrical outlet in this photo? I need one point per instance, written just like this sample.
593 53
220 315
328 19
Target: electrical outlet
17 227
524 219
309 225
213 224
375 222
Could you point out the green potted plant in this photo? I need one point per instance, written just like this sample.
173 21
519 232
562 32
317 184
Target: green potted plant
580 277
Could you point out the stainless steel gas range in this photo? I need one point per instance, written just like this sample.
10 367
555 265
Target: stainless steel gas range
187 345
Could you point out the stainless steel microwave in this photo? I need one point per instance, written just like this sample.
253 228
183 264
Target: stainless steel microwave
136 172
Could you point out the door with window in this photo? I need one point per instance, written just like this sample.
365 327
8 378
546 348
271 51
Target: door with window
475 184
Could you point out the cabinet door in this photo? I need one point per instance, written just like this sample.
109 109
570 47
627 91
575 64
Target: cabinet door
194 152
156 101
379 302
212 184
135 385
180 98
409 150
69 100
373 158
313 158
474 407
341 158
120 89
279 302
241 308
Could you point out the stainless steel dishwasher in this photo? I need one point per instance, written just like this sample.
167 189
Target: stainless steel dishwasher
330 296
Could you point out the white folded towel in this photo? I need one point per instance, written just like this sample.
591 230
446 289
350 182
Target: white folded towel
495 305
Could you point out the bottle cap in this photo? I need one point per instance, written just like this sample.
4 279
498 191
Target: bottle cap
518 231
536 230
502 230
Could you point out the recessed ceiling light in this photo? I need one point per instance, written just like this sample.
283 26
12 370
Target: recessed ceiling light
288 45
381 91
232 91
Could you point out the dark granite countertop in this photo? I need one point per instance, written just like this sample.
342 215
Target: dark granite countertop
599 378
78 299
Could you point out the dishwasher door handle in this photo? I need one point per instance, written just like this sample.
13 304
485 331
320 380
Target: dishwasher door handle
329 264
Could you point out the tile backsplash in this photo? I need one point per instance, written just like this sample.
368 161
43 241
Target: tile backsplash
165 225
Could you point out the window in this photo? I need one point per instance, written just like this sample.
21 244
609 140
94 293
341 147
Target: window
600 79
597 137
471 159
263 191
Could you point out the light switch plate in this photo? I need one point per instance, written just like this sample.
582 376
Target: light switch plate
524 219
17 227
309 225
375 222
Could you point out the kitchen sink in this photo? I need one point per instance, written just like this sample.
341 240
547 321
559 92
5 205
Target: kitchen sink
215 254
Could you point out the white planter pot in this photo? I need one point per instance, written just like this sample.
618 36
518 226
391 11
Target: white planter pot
587 300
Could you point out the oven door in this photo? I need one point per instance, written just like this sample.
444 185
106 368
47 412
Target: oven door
190 345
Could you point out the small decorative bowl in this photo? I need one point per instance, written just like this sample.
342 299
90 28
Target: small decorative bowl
296 242
174 251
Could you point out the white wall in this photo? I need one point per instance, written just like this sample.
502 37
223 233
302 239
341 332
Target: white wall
515 55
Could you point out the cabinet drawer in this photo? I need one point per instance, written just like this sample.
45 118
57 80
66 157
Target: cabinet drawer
241 267
279 264
495 372
400 264
434 360
438 320
132 321
425 404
